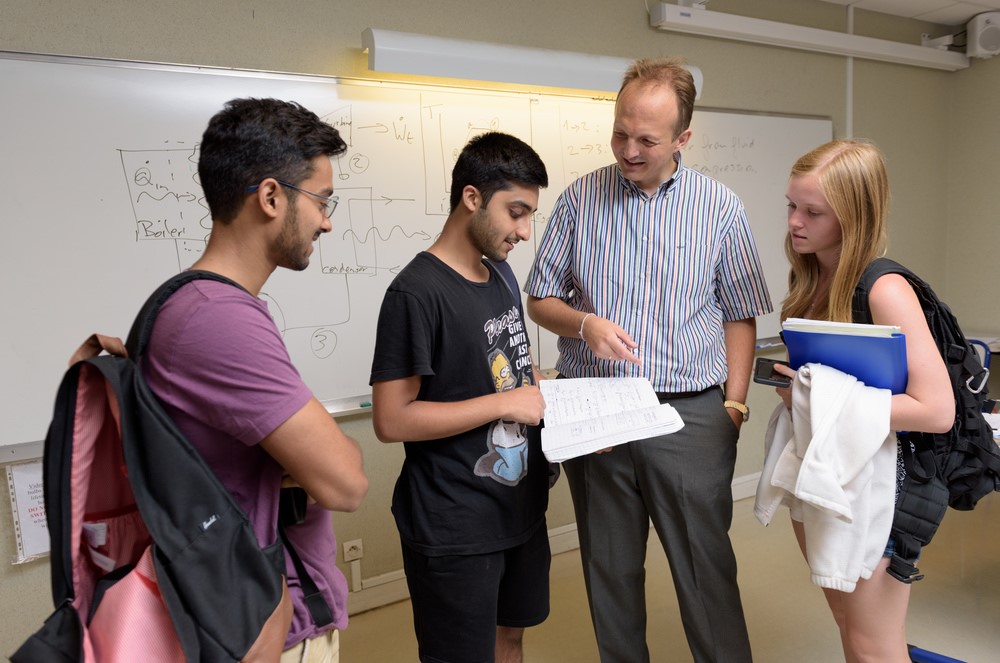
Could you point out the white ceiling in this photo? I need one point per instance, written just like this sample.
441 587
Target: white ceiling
943 12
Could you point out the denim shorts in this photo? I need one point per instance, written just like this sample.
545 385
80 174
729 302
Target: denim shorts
890 549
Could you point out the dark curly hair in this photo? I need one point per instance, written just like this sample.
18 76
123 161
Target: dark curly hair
253 139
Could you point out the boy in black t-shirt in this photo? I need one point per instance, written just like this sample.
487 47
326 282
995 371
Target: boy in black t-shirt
453 379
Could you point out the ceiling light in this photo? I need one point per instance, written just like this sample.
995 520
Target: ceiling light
698 21
409 53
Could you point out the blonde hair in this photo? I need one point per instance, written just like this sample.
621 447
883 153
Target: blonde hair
669 72
852 178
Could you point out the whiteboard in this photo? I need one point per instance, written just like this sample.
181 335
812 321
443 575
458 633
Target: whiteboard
102 204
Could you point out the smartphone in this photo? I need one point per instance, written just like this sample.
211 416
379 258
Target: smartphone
764 373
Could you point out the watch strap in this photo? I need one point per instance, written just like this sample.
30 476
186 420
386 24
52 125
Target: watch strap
739 407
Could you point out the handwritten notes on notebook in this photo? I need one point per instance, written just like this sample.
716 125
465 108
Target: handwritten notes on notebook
584 415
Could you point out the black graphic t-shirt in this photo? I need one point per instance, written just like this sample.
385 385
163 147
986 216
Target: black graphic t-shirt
486 489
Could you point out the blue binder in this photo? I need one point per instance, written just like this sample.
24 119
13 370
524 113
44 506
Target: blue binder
877 361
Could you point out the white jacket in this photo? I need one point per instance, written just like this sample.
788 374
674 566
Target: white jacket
833 463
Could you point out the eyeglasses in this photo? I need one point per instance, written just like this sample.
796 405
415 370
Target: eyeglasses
328 205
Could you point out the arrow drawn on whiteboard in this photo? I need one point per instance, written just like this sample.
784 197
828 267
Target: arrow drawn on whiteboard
379 128
385 199
388 200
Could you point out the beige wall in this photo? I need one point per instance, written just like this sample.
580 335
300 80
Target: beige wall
970 172
938 131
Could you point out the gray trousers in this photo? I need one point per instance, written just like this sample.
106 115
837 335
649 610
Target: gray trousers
682 482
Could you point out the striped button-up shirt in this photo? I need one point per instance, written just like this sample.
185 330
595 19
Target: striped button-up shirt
668 268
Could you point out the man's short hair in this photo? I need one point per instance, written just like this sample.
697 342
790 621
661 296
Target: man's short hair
669 72
252 139
495 162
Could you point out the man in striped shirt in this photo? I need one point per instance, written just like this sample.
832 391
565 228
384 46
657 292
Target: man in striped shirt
648 268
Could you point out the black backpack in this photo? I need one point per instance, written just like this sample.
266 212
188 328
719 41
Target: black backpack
116 465
956 468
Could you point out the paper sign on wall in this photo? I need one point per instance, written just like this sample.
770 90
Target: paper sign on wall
27 505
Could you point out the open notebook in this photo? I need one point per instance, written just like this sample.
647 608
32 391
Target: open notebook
584 415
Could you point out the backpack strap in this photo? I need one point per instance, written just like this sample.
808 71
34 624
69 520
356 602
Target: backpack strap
142 328
877 268
920 507
313 597
503 268
138 339
509 280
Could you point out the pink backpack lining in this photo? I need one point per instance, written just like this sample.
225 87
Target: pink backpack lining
132 622
121 535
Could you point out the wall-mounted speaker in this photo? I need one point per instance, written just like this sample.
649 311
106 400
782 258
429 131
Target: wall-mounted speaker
983 33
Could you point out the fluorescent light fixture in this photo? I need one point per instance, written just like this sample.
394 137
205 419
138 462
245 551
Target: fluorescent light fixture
698 21
408 53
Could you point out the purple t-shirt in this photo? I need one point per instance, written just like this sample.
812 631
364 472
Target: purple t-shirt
219 365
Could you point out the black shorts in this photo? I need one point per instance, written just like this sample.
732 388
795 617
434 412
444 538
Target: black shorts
459 600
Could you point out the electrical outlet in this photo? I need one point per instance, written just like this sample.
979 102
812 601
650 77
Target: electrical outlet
353 550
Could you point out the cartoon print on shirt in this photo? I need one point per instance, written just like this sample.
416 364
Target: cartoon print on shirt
506 460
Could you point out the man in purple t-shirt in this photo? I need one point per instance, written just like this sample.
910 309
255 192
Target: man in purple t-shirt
218 363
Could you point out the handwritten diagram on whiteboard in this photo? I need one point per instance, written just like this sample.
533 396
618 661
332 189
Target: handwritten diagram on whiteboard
394 186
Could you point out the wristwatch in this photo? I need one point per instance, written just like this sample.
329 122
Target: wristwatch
739 407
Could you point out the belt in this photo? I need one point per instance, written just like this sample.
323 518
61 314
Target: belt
677 395
663 396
